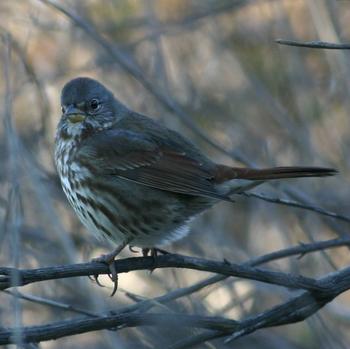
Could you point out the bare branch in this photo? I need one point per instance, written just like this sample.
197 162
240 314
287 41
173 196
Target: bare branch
49 302
245 270
144 305
28 276
294 310
292 203
43 101
314 44
71 327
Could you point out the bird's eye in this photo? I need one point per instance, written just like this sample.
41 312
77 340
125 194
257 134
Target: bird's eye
94 104
63 109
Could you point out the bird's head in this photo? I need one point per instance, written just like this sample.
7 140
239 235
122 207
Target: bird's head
87 105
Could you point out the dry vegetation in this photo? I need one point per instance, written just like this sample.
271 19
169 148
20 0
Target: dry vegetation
213 71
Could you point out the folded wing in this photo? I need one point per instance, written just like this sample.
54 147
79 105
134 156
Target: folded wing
136 157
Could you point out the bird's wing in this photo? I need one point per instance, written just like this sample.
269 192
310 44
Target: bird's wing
136 157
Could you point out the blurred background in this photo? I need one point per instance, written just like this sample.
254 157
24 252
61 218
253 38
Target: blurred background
212 71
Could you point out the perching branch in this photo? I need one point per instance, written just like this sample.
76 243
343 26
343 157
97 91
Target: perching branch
245 270
319 292
294 310
28 276
299 250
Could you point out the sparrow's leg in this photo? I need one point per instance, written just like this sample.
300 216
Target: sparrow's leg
145 251
153 252
109 259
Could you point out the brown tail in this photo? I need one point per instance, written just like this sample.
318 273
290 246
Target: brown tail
225 173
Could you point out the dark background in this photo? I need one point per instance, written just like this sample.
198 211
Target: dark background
212 71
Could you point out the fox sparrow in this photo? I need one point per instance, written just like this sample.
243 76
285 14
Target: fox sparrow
132 180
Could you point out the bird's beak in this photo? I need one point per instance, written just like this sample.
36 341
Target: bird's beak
74 115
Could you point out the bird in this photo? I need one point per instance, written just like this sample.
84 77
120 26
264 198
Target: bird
135 182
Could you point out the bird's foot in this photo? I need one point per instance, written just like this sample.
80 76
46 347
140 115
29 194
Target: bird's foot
109 259
153 252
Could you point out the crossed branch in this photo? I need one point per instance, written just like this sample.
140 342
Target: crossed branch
315 294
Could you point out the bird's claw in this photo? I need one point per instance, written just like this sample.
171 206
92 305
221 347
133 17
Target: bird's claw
94 278
132 249
113 275
153 252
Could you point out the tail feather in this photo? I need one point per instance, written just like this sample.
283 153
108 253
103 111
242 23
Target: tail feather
225 173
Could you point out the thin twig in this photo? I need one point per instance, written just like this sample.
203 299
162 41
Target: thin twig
14 214
43 100
314 44
292 203
51 303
